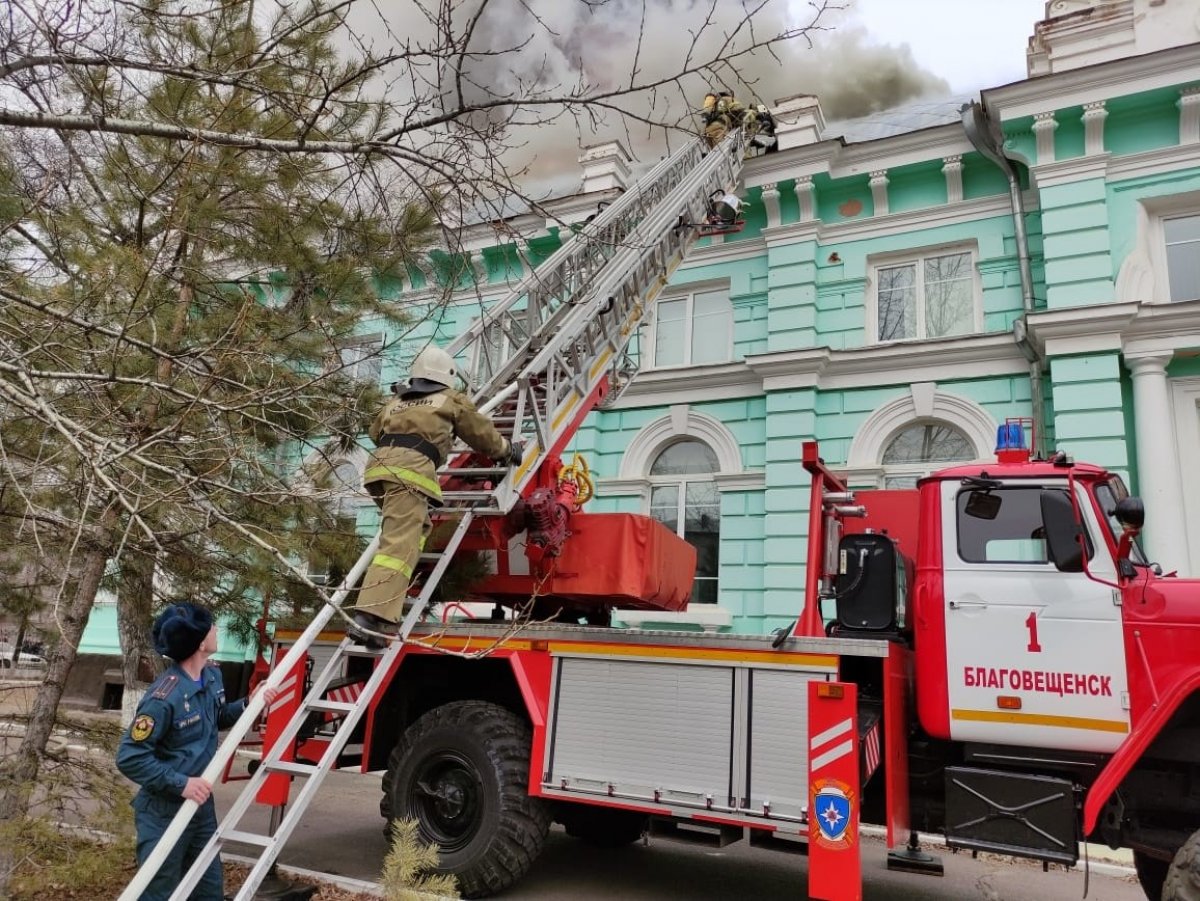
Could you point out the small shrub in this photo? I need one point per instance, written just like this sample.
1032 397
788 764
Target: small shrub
407 868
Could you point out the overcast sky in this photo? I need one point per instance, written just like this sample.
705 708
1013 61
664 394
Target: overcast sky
972 44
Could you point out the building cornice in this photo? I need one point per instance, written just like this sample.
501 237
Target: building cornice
1075 87
922 146
730 252
1078 168
689 384
1065 331
842 160
808 159
1154 162
1126 327
949 359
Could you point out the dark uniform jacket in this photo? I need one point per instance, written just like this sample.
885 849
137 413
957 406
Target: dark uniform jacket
436 418
174 734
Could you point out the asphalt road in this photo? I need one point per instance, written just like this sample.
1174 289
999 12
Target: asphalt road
342 834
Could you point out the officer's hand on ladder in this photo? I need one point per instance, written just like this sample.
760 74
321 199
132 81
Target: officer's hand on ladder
196 790
515 453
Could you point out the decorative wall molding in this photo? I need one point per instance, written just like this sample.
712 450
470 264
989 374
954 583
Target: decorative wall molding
1094 115
1129 328
902 362
649 442
952 169
770 199
1044 126
663 387
804 195
754 480
1123 77
879 196
1078 168
1189 115
906 222
872 437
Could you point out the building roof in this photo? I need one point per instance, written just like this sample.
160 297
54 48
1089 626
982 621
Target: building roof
913 116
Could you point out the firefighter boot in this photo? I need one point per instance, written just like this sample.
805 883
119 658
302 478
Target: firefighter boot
361 621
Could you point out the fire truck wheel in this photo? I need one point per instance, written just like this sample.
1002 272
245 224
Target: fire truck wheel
1183 876
462 772
601 826
1151 874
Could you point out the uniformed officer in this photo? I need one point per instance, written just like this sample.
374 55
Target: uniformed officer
413 433
171 740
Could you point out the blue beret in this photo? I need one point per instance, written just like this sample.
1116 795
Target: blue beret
180 629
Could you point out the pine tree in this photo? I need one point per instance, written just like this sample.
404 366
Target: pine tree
171 315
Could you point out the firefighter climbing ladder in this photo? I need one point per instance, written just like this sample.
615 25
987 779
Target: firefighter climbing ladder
538 361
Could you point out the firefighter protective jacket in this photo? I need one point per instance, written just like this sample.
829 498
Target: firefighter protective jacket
437 418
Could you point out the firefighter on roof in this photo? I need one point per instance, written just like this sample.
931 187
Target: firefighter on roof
172 739
413 433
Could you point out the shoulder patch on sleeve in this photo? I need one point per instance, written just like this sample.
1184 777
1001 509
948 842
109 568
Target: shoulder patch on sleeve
165 685
143 725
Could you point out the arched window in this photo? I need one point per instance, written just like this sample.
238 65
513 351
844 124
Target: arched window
683 497
917 450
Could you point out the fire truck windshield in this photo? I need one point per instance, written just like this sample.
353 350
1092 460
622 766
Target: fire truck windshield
1107 495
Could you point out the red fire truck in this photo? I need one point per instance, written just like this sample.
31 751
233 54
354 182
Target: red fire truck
1052 670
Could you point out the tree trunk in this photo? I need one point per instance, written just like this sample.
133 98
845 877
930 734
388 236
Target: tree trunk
19 772
19 641
135 608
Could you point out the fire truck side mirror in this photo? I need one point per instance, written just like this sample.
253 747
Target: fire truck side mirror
1131 512
1062 531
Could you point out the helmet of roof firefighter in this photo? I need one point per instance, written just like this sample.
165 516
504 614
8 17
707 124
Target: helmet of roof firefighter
710 100
435 365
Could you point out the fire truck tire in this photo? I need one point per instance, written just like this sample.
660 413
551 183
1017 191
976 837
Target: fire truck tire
462 772
1151 874
603 827
1183 876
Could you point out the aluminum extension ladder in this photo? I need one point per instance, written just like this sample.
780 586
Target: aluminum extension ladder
536 361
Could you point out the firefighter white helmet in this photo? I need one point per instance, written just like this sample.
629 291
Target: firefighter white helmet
435 365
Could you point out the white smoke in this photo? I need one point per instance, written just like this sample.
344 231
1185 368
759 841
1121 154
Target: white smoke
525 48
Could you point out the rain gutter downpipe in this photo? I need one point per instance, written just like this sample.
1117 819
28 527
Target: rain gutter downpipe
983 131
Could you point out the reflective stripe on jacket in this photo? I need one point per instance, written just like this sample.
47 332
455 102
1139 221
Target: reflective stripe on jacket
438 418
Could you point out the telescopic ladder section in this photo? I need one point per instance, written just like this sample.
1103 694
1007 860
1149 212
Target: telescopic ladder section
537 360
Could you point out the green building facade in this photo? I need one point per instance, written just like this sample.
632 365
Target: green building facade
874 302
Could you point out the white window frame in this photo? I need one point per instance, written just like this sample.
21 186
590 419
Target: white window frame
917 257
1188 210
374 344
1143 276
681 481
689 297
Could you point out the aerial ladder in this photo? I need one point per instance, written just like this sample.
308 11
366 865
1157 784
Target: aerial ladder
539 361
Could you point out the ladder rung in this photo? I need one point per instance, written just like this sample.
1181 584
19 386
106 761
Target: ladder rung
467 497
330 706
430 558
474 471
290 766
359 650
246 838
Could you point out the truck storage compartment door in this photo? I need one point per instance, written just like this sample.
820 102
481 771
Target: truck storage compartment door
777 776
631 729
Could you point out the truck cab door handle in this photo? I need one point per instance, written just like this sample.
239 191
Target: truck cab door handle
963 605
